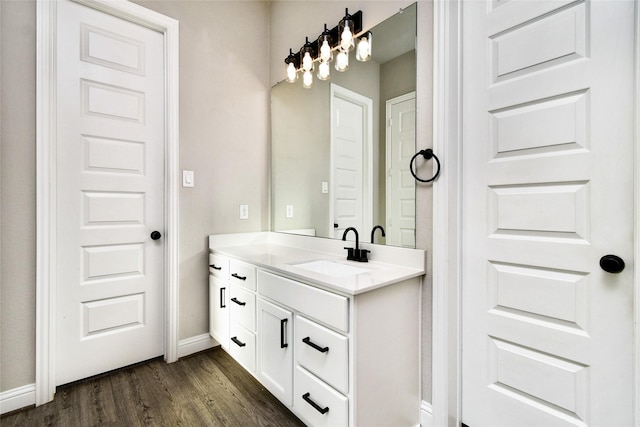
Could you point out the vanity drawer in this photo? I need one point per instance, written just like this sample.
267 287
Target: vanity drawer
243 307
322 352
317 403
242 274
219 265
322 305
242 346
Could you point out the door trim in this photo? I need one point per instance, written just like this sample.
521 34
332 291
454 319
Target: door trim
46 185
446 254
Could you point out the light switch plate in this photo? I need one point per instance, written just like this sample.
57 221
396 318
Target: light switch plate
289 211
188 179
244 211
325 187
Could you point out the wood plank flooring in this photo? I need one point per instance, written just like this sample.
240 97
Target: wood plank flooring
204 389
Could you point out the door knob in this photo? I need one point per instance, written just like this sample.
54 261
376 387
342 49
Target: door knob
612 263
155 235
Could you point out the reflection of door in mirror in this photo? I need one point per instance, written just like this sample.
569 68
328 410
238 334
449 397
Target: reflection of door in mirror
351 168
401 188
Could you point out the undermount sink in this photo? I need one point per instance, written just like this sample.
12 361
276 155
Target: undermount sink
331 268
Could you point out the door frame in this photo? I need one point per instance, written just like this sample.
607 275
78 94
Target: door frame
367 154
447 228
46 12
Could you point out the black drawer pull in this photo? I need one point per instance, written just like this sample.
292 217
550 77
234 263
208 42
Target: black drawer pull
314 404
234 299
215 267
283 329
222 304
239 277
307 341
238 342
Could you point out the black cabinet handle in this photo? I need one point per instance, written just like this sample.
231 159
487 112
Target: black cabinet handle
239 277
234 299
238 342
307 341
314 404
222 304
215 267
283 329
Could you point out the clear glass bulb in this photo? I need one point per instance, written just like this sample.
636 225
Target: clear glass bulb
307 79
342 61
363 53
307 62
346 39
292 73
324 71
325 51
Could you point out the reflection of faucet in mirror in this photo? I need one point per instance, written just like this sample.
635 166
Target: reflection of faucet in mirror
355 254
373 232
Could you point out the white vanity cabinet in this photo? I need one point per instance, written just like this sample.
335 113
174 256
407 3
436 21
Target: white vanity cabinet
219 299
275 350
335 358
242 313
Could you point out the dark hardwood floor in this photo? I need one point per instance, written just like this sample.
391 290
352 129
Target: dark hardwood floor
204 389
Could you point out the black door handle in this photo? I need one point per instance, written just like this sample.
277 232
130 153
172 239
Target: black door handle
155 235
238 342
612 263
234 299
307 341
317 407
283 329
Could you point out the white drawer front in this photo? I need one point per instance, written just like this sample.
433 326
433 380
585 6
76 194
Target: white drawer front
219 265
242 346
318 404
323 352
319 304
243 307
242 274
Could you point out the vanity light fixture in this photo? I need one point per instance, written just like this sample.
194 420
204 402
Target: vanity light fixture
342 39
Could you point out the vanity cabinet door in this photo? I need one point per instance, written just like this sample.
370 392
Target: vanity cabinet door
275 350
219 310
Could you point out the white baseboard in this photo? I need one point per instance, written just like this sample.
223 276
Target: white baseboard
195 344
426 414
17 398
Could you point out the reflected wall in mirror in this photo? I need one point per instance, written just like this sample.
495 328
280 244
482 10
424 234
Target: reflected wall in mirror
341 149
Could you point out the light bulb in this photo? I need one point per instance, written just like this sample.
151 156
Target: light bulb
307 62
342 61
292 73
325 51
346 39
363 53
307 79
323 71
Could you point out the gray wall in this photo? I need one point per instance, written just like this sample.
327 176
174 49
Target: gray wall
224 134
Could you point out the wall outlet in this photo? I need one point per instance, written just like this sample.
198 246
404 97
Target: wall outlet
289 211
244 211
325 187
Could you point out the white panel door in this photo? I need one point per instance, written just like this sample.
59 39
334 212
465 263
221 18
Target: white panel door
548 116
401 186
110 180
350 134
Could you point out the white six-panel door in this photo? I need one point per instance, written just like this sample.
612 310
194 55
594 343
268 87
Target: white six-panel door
110 181
547 335
401 186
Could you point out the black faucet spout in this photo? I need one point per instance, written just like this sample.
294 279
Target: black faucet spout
344 235
373 232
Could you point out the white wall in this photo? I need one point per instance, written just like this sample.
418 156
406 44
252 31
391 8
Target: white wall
224 134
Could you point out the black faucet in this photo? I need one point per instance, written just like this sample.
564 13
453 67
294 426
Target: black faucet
377 227
355 254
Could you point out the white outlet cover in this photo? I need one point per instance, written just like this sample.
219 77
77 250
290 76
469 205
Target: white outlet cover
244 211
289 211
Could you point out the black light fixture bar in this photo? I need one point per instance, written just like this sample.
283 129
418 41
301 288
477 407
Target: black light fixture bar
335 37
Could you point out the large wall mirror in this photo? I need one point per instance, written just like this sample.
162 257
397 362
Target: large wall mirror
341 149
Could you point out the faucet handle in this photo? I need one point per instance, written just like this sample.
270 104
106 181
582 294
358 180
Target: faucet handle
360 255
350 256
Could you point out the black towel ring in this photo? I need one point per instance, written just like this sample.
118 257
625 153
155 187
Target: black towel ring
427 154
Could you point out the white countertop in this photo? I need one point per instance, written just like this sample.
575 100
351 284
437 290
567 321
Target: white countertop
280 254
